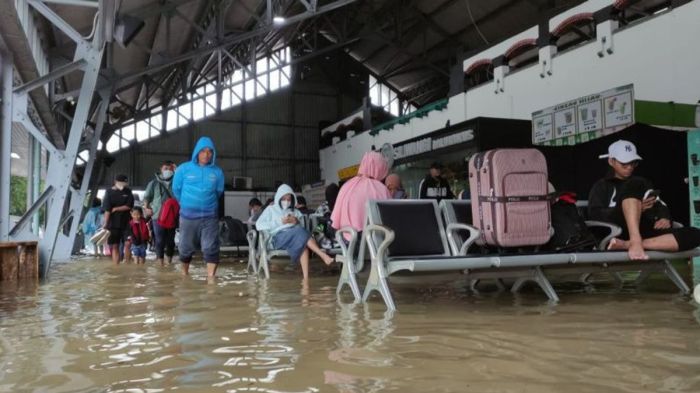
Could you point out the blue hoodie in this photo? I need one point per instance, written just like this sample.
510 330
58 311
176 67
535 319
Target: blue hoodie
271 218
198 187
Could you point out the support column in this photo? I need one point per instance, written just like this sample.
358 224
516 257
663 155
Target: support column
36 182
61 165
6 68
64 243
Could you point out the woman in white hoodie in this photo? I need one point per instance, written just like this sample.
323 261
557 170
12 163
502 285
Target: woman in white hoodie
282 220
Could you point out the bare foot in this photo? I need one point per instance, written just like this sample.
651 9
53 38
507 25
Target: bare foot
617 244
636 252
327 259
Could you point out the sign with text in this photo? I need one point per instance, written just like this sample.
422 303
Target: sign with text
584 118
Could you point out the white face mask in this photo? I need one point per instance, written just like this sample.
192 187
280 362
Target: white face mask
166 174
285 204
120 185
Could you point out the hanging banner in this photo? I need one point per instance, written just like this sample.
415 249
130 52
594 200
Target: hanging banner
585 118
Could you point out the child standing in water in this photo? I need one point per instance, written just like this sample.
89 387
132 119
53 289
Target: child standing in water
139 235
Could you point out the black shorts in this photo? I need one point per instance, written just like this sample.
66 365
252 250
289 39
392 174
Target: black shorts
117 236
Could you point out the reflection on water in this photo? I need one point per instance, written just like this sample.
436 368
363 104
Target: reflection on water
97 327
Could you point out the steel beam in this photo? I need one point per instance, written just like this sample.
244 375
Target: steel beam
23 118
79 3
64 243
6 71
57 21
127 79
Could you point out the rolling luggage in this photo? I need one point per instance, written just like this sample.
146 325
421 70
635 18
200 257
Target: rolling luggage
510 203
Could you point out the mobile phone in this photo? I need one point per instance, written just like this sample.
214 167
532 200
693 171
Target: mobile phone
652 194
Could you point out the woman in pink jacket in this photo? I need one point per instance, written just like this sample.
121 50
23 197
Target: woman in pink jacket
350 206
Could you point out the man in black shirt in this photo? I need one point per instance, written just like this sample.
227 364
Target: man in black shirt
117 204
434 186
632 203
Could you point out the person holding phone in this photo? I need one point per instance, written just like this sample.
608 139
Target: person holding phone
632 203
282 220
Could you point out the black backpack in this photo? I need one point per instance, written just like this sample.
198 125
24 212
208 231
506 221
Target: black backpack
570 230
233 232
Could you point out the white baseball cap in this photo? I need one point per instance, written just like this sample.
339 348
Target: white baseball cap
622 151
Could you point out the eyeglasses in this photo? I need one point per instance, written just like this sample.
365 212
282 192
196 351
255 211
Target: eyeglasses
633 164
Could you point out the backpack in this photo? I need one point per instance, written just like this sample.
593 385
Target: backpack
570 230
169 213
233 232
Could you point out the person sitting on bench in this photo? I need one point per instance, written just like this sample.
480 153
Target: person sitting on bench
282 220
632 203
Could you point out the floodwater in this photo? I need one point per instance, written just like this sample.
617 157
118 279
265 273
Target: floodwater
94 327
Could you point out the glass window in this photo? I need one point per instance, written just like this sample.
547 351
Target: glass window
238 92
226 99
113 143
185 112
261 66
249 89
171 122
274 80
262 85
142 131
210 108
197 109
128 132
237 76
235 98
285 76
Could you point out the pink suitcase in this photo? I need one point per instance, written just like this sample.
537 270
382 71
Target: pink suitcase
510 203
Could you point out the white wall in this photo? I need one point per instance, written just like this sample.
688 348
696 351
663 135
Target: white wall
659 56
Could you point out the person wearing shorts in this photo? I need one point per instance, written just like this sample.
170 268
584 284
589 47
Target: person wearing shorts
139 235
197 186
117 204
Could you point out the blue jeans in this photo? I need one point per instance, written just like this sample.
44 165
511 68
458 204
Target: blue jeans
200 233
138 251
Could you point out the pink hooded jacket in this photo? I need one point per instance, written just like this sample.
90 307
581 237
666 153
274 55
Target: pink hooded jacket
367 185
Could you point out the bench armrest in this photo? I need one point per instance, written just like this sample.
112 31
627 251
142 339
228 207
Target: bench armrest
614 232
348 248
452 229
252 236
378 253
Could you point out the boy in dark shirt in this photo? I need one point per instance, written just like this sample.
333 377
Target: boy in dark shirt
117 204
631 203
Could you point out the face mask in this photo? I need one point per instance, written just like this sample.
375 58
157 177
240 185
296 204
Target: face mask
286 204
120 185
167 174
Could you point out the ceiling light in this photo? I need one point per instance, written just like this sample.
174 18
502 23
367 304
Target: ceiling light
14 155
278 20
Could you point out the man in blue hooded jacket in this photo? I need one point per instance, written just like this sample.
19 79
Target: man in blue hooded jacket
197 185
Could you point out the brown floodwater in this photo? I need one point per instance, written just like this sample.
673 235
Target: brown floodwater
94 327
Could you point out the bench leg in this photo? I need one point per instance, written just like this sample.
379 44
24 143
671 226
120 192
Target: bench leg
252 261
263 264
349 278
643 276
537 276
672 274
377 282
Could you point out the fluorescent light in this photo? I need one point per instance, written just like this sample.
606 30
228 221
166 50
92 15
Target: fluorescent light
278 20
14 155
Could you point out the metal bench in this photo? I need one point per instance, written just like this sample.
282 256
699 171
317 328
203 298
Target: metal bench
582 264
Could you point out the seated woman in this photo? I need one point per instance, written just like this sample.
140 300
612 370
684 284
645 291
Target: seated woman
282 220
350 206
